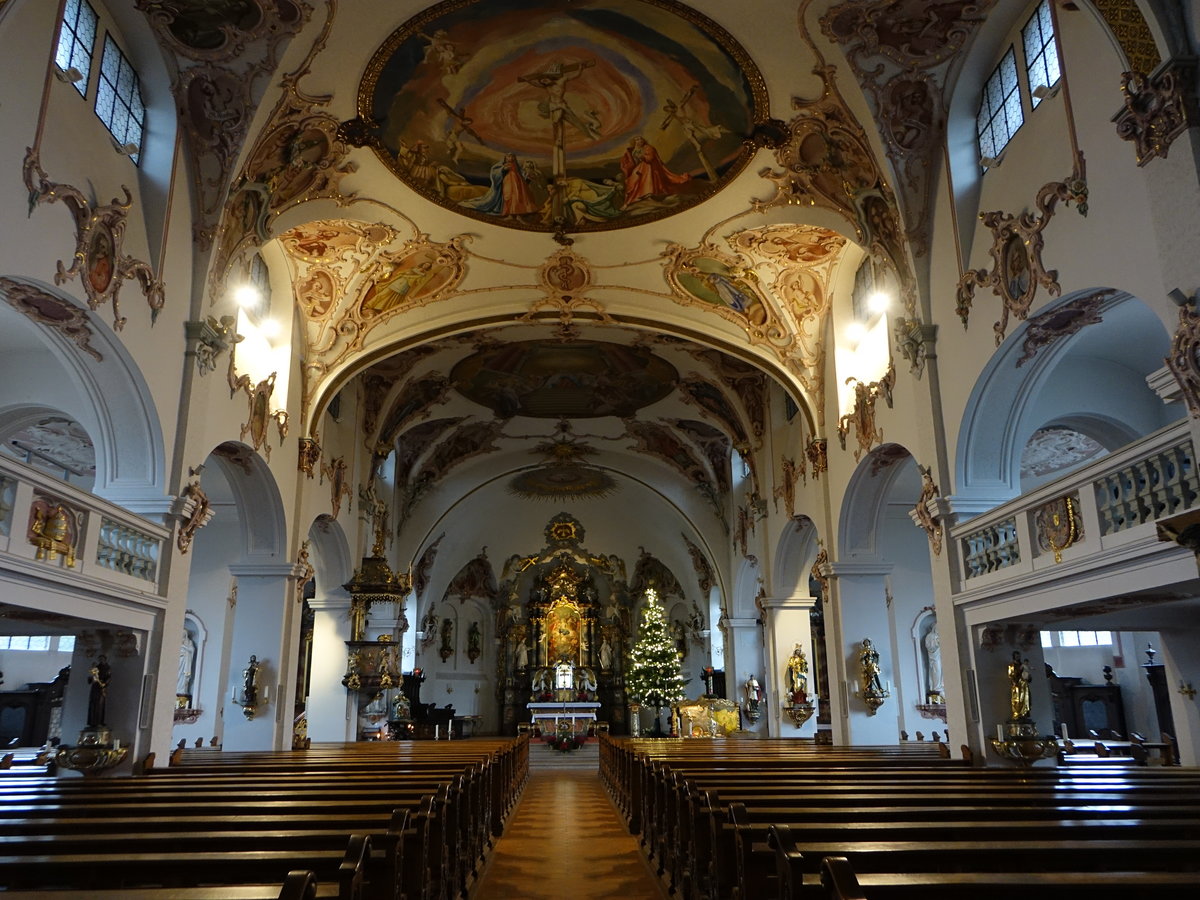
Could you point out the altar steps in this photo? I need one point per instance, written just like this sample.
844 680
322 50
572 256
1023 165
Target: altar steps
543 758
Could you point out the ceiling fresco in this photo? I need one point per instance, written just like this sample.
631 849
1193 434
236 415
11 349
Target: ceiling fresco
588 116
551 379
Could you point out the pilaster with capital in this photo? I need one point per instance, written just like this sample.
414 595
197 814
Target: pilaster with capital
788 624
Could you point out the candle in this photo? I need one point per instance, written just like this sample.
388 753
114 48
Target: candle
999 732
437 732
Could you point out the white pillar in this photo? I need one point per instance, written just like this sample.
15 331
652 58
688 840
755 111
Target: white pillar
859 610
1181 658
332 710
788 623
266 625
744 656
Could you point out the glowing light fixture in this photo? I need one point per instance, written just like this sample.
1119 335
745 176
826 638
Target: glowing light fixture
855 332
269 328
247 296
879 302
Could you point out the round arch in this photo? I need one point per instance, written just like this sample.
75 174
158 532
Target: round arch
1015 395
98 384
794 555
258 502
867 494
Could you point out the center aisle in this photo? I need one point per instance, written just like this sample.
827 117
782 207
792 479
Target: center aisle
565 840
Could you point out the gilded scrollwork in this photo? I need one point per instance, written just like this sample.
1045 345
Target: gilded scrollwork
827 161
564 279
1184 359
1016 251
1157 108
260 414
99 258
899 51
193 510
817 452
790 472
862 417
925 517
1063 321
339 488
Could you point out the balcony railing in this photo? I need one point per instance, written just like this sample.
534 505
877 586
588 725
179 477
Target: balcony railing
1147 480
50 523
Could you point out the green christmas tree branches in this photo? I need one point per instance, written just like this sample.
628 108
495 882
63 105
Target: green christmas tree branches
654 678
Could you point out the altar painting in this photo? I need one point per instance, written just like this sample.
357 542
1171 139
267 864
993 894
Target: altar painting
563 625
590 115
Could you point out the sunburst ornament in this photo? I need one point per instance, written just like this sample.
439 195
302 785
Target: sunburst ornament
564 475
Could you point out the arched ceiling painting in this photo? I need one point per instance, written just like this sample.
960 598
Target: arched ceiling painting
586 116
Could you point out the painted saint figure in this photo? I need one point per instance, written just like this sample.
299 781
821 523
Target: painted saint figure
646 175
508 191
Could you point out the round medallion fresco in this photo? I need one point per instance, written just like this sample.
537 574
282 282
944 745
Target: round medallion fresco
591 115
553 380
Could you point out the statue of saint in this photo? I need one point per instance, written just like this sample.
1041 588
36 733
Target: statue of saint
796 676
521 655
187 663
250 682
98 678
606 656
869 659
1018 678
933 666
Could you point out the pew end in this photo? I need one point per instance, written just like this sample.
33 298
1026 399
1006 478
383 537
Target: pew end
300 884
789 861
839 880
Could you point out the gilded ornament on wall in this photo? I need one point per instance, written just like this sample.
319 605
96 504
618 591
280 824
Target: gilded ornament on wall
54 529
260 414
193 509
1063 321
339 489
1016 251
862 417
789 473
817 452
99 259
1184 359
1158 108
1058 526
927 519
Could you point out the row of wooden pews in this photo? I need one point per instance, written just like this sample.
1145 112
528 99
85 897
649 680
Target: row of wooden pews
763 819
368 821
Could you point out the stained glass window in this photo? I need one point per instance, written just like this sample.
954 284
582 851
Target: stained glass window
76 39
119 98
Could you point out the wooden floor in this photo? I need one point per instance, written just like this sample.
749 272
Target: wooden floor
565 840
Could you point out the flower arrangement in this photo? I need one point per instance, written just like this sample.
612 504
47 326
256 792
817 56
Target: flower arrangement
565 739
565 743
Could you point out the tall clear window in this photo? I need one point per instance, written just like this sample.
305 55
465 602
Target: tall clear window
1041 55
76 40
1000 112
119 99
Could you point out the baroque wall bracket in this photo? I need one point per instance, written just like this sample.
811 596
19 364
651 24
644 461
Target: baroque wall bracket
931 510
192 508
259 397
99 257
1016 252
208 338
1158 108
1184 359
862 416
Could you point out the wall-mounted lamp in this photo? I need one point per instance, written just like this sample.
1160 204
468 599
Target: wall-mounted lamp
127 149
1187 690
988 161
247 296
70 76
1042 92
879 302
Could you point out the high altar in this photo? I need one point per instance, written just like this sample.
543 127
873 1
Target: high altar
565 646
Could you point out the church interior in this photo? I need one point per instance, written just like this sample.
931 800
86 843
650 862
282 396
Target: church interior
393 373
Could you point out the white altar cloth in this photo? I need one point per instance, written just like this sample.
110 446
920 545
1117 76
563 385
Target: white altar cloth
547 715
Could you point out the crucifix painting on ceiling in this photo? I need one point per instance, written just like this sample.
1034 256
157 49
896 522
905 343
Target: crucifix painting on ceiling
590 115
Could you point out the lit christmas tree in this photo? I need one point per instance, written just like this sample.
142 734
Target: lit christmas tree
653 677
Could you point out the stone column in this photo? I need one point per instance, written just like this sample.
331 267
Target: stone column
788 623
330 706
266 624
